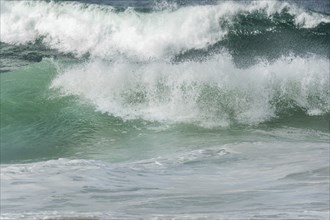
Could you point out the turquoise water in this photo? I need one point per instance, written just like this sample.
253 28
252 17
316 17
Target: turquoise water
216 111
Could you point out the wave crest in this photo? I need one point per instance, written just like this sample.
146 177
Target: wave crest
101 31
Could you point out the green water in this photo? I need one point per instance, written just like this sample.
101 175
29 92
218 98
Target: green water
38 123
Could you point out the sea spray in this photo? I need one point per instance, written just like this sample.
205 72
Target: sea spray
211 93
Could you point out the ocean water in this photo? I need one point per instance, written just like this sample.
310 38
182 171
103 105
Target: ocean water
165 109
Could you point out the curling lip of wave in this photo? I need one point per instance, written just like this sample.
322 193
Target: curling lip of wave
210 93
102 32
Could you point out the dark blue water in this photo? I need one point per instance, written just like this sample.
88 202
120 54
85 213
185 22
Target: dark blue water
315 5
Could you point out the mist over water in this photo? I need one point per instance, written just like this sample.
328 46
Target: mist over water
165 109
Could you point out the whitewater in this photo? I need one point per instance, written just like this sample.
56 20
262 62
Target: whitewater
165 109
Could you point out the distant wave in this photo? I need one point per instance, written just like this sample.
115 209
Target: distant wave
102 31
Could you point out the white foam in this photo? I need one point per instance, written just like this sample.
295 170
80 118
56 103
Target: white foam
210 93
253 171
73 27
102 32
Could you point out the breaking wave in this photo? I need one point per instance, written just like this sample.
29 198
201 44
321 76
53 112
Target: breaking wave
211 93
104 32
179 64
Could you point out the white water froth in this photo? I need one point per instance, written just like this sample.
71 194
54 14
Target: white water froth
101 32
247 177
262 214
210 93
